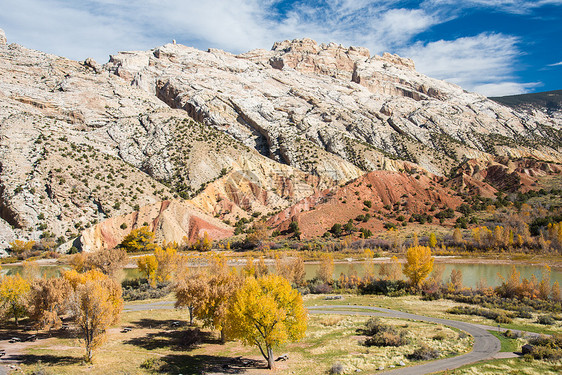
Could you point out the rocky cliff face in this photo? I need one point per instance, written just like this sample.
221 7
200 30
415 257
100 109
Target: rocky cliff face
177 221
81 143
311 106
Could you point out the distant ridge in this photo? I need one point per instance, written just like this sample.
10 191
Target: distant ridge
549 100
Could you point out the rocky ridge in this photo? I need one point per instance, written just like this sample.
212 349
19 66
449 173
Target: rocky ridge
79 145
311 106
86 148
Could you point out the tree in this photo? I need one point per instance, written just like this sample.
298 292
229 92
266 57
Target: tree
258 234
30 270
203 243
432 240
141 239
369 266
109 261
457 236
96 303
191 292
267 312
48 301
455 281
148 266
326 270
14 292
298 271
19 247
167 260
392 270
212 292
336 230
419 264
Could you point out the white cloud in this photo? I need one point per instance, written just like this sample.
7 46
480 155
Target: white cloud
505 88
97 28
508 6
482 63
556 64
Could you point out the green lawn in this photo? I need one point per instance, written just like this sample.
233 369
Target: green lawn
508 345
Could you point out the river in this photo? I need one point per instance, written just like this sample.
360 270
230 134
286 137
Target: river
472 272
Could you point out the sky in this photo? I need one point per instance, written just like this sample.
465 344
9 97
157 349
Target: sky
493 47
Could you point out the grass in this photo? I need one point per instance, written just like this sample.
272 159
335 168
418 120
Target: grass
437 308
517 366
155 346
507 344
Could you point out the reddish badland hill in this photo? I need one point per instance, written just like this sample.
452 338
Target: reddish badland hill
485 178
384 195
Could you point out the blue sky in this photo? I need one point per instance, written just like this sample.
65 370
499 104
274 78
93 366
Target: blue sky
494 47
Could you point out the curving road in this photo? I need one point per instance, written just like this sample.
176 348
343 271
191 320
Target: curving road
485 346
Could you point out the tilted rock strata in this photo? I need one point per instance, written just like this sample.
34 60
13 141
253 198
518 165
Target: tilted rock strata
389 194
169 220
309 105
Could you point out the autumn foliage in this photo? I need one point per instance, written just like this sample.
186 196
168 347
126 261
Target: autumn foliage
419 264
267 312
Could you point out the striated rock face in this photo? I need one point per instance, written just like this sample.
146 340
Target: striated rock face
502 173
311 106
389 193
169 220
85 146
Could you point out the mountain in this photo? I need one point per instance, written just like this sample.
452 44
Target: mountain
548 102
89 149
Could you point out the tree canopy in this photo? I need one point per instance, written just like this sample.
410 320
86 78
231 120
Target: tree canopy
267 312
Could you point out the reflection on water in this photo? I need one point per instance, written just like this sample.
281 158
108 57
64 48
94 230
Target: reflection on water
472 273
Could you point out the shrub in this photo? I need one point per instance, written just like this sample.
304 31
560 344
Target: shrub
388 338
424 353
440 336
382 334
338 368
503 319
545 319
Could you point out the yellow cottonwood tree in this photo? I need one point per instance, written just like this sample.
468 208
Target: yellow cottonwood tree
14 291
20 247
326 270
419 264
267 312
48 301
432 240
140 239
96 303
148 265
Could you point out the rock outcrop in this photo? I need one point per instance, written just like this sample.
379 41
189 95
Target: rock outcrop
264 131
383 195
3 40
311 106
169 220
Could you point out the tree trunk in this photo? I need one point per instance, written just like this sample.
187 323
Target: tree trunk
269 357
89 354
223 336
190 308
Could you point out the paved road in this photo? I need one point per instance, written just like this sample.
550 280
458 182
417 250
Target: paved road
486 345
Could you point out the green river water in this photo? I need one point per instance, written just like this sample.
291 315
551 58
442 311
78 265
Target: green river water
472 272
